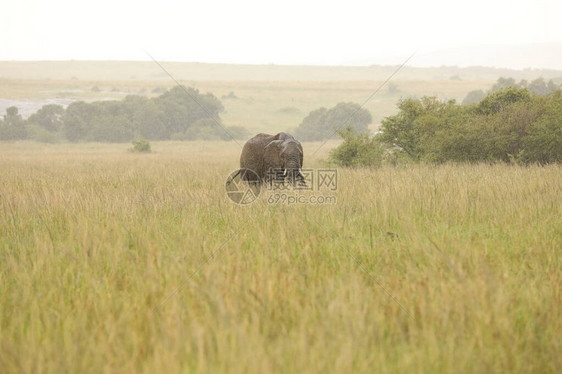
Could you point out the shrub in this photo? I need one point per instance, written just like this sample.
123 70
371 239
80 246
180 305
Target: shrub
508 125
357 149
42 135
141 146
543 141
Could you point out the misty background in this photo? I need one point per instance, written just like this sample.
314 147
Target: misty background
505 34
114 72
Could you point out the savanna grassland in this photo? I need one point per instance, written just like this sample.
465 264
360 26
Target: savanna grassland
266 97
112 261
255 105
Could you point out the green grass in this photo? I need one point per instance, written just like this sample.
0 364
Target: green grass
119 262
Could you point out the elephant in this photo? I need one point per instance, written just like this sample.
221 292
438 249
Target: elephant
272 158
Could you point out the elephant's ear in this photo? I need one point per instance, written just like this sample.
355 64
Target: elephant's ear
272 155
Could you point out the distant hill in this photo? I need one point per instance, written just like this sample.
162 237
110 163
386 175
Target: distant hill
518 56
511 56
189 71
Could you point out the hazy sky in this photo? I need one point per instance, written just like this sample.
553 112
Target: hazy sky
280 32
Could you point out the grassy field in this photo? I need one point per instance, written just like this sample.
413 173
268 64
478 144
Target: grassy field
118 262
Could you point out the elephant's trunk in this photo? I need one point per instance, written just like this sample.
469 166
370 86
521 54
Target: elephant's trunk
293 174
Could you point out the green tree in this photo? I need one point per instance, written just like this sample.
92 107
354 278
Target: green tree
502 83
416 121
474 97
348 114
324 123
180 113
497 100
551 86
507 125
77 121
313 127
184 106
538 86
13 125
48 117
543 141
146 117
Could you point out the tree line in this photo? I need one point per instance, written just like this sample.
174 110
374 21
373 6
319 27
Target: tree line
508 125
178 114
538 86
513 122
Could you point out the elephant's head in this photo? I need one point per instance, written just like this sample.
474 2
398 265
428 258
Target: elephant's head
285 155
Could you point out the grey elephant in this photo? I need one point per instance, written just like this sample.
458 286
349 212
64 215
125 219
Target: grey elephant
272 158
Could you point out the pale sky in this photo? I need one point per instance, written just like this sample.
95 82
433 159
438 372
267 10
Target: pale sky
284 32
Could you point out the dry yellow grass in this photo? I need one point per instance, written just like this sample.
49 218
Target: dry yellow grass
118 262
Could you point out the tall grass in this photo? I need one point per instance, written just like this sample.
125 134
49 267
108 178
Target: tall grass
119 262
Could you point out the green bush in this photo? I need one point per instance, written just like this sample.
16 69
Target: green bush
413 129
543 142
141 146
43 135
357 149
508 125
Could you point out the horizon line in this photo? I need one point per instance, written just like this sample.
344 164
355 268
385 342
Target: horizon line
342 65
